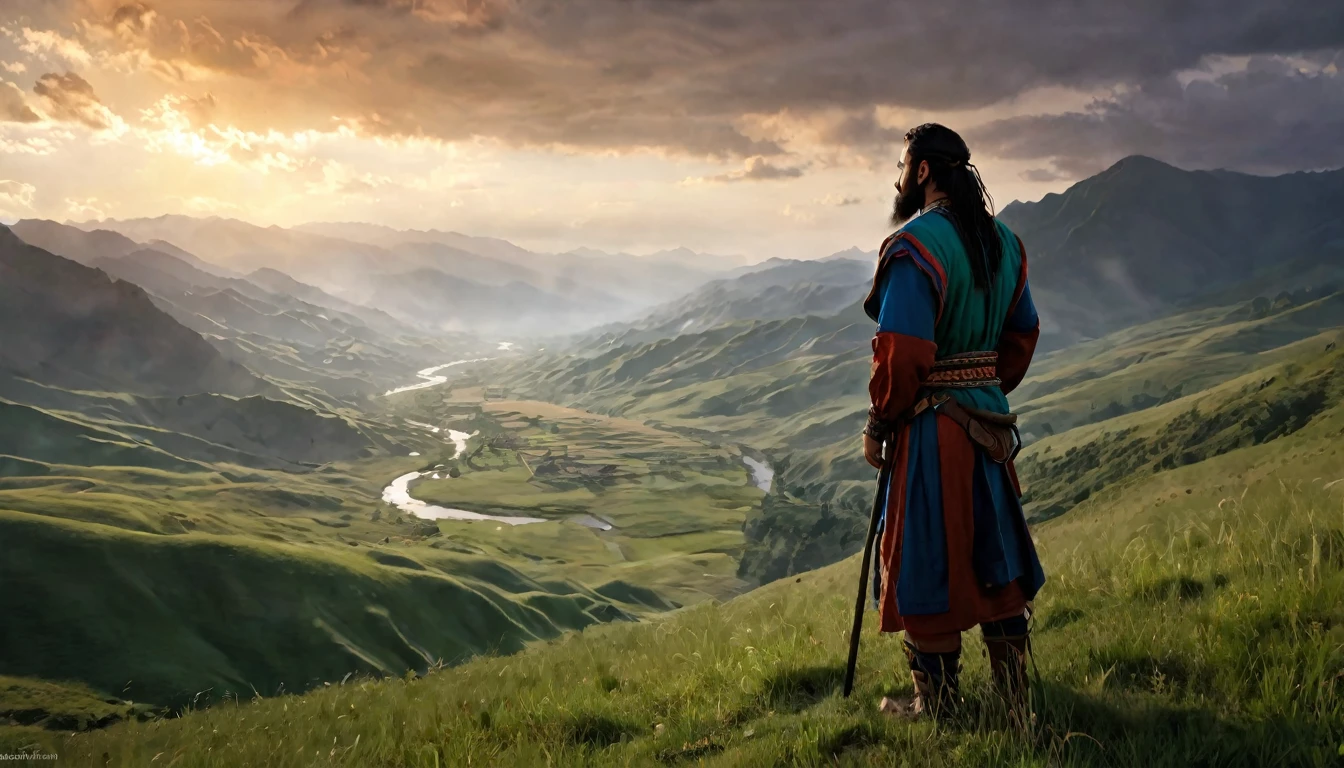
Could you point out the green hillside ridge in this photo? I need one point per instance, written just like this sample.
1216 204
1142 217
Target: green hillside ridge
774 290
1260 407
34 434
180 432
1194 619
230 628
371 590
1158 362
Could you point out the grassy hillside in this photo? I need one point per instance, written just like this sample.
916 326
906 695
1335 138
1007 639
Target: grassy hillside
228 576
1194 619
1258 408
178 433
646 507
155 586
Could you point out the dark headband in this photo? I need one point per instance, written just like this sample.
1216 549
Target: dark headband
955 162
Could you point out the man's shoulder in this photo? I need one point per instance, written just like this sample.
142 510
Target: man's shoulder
913 232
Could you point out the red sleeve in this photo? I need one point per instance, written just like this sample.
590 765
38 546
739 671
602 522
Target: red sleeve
1015 351
1017 342
901 364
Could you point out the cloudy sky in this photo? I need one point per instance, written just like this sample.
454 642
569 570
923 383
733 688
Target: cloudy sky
757 127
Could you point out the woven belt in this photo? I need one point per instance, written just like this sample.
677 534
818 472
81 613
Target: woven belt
970 369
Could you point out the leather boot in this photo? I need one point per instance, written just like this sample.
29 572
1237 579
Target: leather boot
1008 668
937 681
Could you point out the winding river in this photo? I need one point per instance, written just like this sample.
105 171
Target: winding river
398 494
431 376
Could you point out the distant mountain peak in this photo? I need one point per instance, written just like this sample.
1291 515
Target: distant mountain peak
853 252
1140 162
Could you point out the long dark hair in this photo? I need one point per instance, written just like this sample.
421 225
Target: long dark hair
969 202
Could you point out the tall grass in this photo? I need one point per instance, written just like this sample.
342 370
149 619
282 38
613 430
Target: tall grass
1211 637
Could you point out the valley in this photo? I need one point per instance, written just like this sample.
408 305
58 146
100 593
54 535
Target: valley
231 470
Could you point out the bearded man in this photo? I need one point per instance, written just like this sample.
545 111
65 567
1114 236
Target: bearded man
956 333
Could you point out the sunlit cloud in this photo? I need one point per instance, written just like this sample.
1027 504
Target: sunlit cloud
49 45
839 201
798 214
16 198
88 208
34 138
755 169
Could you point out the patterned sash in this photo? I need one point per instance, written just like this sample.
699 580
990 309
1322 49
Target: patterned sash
969 369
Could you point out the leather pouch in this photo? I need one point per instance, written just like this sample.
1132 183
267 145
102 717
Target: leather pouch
995 433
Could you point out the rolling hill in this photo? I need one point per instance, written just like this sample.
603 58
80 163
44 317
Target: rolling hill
1192 617
773 290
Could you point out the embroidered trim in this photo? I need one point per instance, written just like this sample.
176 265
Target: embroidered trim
969 369
966 360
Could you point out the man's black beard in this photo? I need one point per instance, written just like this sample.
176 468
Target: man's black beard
907 205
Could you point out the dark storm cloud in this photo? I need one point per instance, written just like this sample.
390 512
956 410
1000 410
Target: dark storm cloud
681 75
861 130
756 169
69 97
1270 118
134 17
455 13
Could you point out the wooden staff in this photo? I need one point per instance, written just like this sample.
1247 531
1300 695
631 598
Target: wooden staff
879 508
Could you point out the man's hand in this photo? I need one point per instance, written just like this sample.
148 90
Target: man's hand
872 451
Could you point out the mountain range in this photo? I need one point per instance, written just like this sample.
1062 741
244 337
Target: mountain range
422 277
69 325
1143 239
1140 241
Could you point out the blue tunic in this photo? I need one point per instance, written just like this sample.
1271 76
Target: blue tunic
917 294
